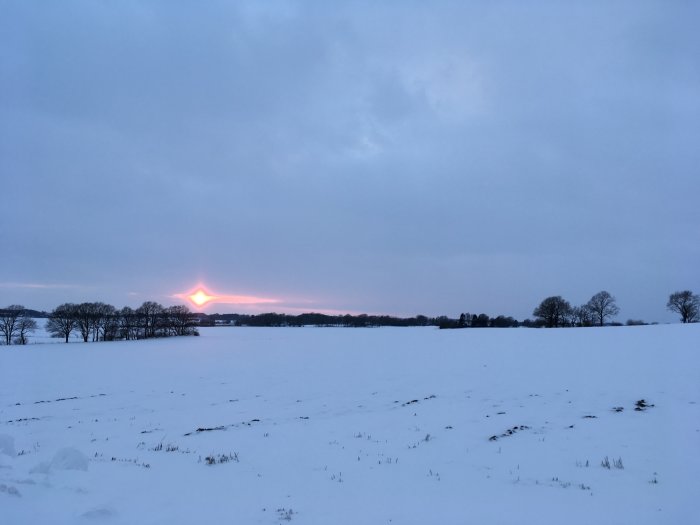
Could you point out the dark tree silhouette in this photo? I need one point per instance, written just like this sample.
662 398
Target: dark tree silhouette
62 321
179 320
9 322
602 305
502 321
100 318
85 319
553 311
582 315
421 320
480 321
686 304
109 323
127 323
25 326
148 315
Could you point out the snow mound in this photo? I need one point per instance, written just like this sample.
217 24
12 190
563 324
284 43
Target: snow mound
69 458
7 445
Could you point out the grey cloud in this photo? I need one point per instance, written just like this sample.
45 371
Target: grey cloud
401 158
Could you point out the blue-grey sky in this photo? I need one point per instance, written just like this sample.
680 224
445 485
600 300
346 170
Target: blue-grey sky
394 157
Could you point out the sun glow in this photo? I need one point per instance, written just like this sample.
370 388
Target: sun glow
200 297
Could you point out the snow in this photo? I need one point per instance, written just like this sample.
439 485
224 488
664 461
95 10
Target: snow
348 426
66 458
7 445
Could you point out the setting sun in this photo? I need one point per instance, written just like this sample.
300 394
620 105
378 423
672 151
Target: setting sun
200 298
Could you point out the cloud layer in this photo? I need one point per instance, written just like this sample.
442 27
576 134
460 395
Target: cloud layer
404 158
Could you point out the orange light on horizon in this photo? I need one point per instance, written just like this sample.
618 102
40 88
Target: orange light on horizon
200 297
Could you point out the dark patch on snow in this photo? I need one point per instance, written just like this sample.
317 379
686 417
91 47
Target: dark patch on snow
10 490
72 398
206 429
509 432
641 405
215 459
413 401
131 462
57 400
209 429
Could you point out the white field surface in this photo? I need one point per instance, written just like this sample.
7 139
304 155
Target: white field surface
325 428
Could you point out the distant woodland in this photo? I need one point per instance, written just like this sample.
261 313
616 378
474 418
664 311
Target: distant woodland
103 322
552 312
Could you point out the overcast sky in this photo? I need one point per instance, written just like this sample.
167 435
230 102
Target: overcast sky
404 158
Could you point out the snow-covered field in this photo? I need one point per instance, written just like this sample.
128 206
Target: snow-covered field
355 426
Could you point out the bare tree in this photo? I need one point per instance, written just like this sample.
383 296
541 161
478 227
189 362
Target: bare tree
109 324
85 319
553 311
149 314
128 324
100 317
602 305
62 321
25 326
686 304
179 320
581 315
9 322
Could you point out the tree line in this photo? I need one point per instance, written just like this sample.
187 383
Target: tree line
100 322
352 321
103 322
317 319
556 311
467 320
